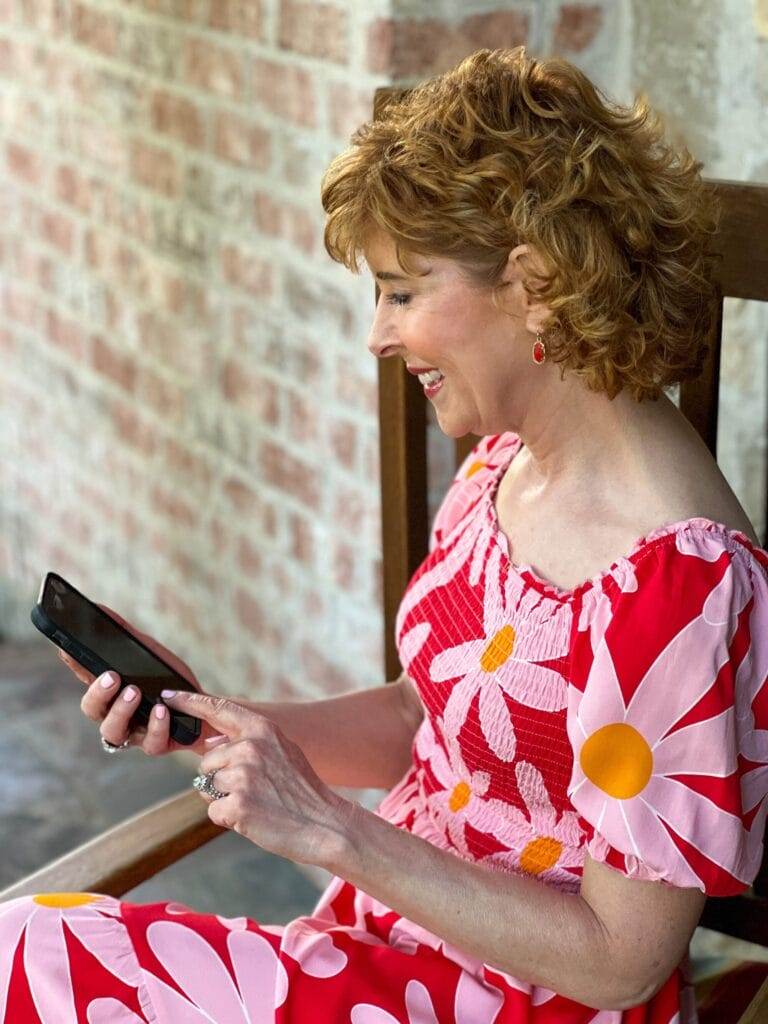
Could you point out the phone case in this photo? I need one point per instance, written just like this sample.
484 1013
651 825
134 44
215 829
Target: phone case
91 661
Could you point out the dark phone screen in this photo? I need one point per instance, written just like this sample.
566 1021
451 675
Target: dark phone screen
97 631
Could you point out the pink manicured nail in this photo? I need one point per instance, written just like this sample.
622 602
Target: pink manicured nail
129 694
213 740
160 710
107 680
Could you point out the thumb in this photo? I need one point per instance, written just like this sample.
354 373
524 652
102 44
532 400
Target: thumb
224 715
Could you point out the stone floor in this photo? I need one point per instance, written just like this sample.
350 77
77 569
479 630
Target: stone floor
58 789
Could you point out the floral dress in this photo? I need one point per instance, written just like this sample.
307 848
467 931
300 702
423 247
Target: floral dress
627 718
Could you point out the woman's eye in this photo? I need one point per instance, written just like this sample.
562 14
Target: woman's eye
398 299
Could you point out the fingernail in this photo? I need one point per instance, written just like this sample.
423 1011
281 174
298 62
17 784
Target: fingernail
107 680
213 740
129 694
160 711
168 693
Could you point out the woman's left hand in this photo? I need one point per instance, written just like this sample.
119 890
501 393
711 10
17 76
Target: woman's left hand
273 795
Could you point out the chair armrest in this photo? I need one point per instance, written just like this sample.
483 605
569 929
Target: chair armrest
129 853
757 1011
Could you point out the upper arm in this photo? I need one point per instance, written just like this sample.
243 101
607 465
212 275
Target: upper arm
647 925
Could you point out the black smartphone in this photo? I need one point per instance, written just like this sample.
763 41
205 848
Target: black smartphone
99 643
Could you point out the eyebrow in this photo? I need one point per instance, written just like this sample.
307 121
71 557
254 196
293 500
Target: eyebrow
385 275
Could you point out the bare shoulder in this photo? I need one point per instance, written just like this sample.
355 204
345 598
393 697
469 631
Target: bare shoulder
691 485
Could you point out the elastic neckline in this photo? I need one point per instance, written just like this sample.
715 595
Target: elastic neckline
641 546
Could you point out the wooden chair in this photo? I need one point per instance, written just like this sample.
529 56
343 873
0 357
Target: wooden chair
128 854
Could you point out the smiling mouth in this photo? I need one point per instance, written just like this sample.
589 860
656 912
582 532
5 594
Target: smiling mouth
431 378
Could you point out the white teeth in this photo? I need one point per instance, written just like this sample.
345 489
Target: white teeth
431 377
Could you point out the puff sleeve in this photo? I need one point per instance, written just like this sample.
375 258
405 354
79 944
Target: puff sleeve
667 713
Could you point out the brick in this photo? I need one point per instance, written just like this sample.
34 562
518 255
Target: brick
577 26
73 188
94 29
186 467
169 601
344 561
280 219
243 18
154 168
66 334
343 438
302 539
116 366
172 506
250 506
250 614
171 345
286 91
495 29
164 396
303 417
412 47
213 68
247 271
251 392
314 29
287 473
178 117
131 428
351 510
354 391
24 164
248 558
241 142
313 300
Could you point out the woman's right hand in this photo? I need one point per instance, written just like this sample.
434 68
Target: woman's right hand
113 712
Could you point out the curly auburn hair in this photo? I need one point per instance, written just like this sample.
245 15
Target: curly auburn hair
505 149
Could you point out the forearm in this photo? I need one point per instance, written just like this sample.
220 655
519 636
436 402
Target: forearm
515 924
360 739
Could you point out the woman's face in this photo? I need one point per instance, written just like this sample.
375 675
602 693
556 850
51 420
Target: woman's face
440 322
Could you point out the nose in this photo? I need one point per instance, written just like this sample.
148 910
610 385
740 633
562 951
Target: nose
381 342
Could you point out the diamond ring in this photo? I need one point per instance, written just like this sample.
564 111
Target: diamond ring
204 784
112 748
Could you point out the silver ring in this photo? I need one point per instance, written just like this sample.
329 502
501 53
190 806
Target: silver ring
112 748
204 784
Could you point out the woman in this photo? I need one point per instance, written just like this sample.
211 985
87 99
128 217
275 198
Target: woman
578 748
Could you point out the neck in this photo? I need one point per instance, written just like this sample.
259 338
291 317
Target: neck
576 438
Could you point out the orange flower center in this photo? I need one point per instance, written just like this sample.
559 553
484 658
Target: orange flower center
541 853
617 760
460 796
65 899
498 650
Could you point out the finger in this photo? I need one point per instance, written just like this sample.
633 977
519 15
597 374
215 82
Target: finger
74 666
214 760
116 725
99 695
225 715
158 731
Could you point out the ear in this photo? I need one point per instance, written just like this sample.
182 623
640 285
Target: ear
524 264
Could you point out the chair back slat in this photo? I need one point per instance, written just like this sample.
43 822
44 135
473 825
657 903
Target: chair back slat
742 242
404 518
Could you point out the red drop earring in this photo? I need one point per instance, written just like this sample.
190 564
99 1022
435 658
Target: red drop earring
539 352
